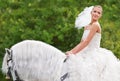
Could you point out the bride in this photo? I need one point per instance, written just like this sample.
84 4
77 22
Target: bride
38 61
94 63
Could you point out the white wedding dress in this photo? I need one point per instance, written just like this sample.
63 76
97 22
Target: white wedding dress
93 63
38 61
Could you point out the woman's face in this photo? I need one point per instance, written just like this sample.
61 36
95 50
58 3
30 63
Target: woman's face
96 13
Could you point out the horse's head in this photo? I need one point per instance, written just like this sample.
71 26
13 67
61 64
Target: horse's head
6 58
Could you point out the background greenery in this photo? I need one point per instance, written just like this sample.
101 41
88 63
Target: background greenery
52 21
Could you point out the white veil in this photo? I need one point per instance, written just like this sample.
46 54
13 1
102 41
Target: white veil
84 18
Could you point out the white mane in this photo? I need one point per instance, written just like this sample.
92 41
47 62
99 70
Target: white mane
33 60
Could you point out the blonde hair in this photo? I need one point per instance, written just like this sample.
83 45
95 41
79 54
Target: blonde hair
99 6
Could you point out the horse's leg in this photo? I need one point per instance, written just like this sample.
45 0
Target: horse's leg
7 77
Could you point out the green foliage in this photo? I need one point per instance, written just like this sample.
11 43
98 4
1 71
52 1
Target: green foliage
52 21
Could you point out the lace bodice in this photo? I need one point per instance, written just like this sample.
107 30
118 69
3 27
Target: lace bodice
95 42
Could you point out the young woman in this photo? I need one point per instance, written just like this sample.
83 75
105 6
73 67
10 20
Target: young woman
94 63
92 29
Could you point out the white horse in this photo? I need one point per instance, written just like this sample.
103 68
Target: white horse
34 61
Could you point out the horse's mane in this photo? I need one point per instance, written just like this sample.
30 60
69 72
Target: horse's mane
34 58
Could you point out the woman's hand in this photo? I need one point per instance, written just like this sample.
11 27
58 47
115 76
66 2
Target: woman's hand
68 53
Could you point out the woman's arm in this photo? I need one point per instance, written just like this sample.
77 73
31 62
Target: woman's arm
85 42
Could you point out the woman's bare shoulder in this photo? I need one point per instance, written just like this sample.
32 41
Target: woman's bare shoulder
97 26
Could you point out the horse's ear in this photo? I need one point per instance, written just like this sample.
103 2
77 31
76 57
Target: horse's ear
8 51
